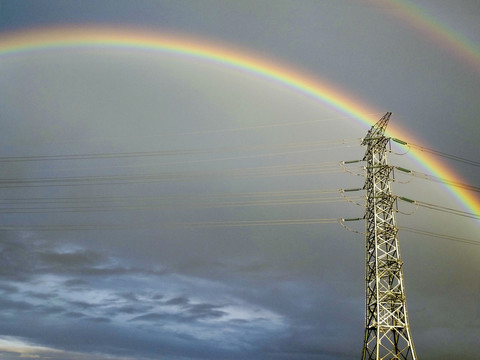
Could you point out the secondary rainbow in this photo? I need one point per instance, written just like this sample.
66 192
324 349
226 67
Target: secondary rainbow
31 41
418 18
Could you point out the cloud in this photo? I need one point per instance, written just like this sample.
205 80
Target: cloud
15 305
17 257
15 348
206 311
181 300
184 309
25 257
6 288
74 259
76 283
155 317
185 312
74 315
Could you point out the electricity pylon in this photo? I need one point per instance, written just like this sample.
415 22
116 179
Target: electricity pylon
387 330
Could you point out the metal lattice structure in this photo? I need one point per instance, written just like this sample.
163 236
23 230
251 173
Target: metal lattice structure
387 330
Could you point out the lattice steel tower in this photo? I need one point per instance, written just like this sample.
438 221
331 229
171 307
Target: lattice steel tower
387 330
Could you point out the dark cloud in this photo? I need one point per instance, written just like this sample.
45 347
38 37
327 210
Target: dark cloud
79 258
81 304
50 309
155 317
15 305
129 296
180 300
205 311
99 319
18 258
131 309
25 258
42 296
74 315
9 355
80 262
8 289
76 283
186 313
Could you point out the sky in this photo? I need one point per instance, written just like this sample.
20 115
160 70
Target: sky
163 205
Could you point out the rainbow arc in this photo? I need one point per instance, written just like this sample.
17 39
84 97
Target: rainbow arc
51 39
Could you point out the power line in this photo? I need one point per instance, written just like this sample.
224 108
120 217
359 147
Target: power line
158 205
241 223
438 153
222 224
265 126
176 196
64 227
441 236
119 179
204 224
438 179
440 208
414 231
216 131
177 152
418 175
134 203
418 203
211 160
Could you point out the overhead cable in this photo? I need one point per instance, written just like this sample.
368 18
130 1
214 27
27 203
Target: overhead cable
99 207
438 153
222 224
237 223
177 152
440 208
119 179
175 196
201 224
438 179
440 236
276 124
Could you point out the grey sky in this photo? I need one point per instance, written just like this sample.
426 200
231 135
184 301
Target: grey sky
160 281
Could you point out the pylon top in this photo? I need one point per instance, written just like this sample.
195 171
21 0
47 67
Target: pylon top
377 130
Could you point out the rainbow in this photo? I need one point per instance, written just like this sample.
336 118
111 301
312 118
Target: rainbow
416 17
27 42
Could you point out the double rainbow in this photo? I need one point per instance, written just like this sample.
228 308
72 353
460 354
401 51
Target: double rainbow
26 42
